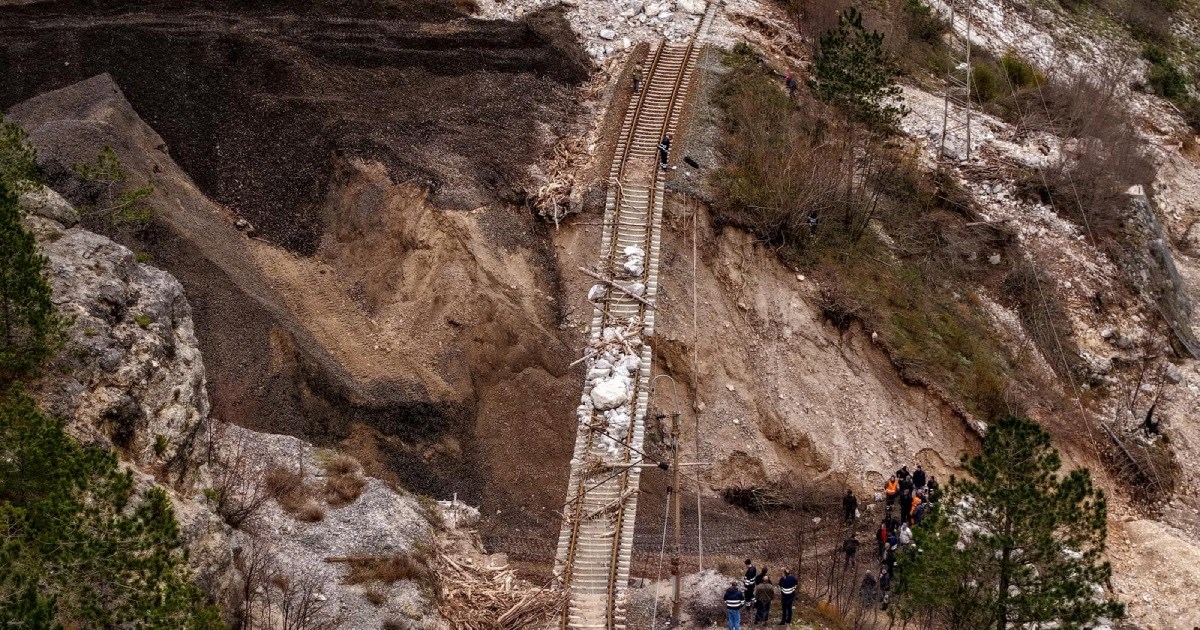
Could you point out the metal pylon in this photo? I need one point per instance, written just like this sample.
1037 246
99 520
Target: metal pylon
958 109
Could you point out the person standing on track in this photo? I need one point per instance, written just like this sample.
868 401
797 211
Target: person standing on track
733 606
664 148
637 77
750 580
787 596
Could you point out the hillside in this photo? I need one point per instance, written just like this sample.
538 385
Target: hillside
375 213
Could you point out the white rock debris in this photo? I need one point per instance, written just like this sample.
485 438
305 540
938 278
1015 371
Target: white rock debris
607 401
635 261
609 27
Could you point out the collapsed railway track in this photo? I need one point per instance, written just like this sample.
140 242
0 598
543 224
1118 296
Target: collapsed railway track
596 540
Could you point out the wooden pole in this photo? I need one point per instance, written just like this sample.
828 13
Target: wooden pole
677 601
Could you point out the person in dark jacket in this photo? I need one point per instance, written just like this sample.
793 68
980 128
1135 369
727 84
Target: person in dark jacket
749 580
850 548
885 585
733 606
849 506
906 503
764 594
919 478
787 596
903 474
933 489
792 85
868 588
664 148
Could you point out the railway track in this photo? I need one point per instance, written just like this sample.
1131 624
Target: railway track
596 541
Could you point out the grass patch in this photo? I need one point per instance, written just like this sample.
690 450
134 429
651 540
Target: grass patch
143 320
344 482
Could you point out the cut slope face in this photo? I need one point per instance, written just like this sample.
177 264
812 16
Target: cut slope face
256 98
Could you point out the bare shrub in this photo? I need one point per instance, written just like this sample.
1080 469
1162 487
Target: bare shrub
255 565
269 595
239 489
1102 157
299 604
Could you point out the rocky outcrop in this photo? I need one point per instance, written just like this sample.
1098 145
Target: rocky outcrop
130 377
130 373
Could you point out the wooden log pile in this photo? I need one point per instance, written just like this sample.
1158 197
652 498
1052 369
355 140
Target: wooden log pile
493 599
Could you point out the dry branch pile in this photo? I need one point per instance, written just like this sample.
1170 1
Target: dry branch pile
479 598
572 154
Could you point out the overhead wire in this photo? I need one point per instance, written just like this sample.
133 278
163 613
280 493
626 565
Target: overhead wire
1037 276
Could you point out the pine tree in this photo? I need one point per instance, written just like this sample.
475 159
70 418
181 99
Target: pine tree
1015 544
18 160
78 546
852 71
29 328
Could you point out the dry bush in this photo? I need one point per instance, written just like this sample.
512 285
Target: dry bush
1102 158
389 569
342 465
310 512
375 596
295 496
282 480
344 489
344 482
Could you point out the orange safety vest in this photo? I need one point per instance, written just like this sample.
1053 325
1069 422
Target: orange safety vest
892 487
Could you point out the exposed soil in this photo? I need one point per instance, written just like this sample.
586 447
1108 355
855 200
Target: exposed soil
256 98
424 341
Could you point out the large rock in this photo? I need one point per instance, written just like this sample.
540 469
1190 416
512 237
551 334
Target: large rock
130 372
48 204
695 7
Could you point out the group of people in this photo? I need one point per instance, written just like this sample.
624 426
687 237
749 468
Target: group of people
907 498
757 592
913 493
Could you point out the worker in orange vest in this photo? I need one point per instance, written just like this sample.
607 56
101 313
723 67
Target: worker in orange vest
890 490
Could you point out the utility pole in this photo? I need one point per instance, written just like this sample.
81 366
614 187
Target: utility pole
676 479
